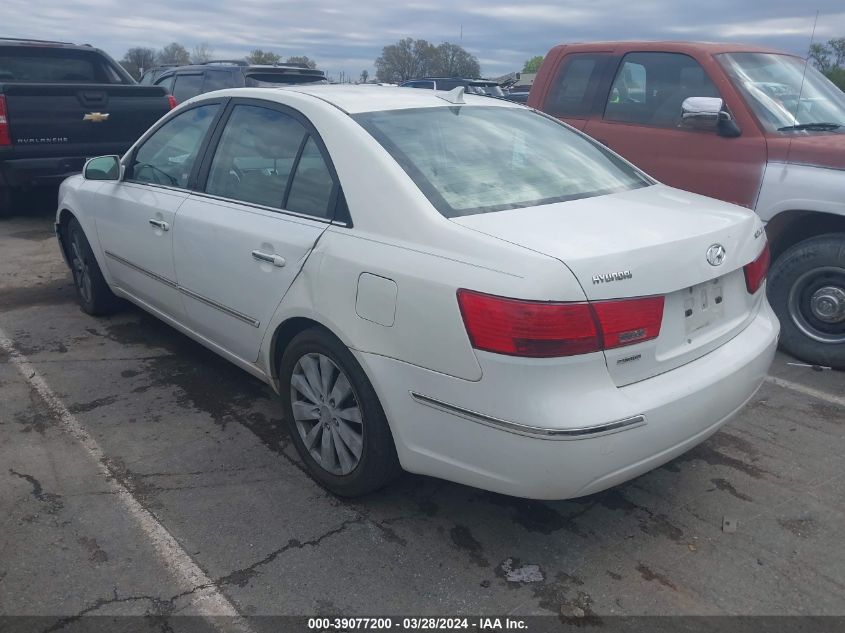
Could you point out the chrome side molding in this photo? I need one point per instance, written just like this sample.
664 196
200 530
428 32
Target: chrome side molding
579 433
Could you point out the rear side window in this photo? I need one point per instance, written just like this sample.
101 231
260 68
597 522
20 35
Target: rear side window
312 186
187 86
649 88
256 156
49 65
167 157
217 80
574 87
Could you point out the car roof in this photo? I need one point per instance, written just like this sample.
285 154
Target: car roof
671 46
354 99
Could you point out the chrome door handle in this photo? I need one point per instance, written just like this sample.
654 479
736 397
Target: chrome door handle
276 260
159 224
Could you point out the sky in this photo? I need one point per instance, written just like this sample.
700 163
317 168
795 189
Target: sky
348 36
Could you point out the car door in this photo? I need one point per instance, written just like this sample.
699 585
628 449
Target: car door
266 193
137 214
641 120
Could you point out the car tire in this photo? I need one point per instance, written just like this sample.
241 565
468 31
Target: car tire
806 288
324 389
5 201
95 296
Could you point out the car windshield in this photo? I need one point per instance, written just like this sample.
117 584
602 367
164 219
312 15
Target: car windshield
772 85
478 159
492 90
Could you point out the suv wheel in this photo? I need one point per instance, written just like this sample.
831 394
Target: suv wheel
807 292
334 416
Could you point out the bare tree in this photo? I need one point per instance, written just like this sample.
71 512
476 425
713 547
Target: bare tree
203 52
302 60
173 53
137 60
261 57
365 75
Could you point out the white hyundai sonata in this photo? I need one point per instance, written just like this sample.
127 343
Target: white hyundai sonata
452 285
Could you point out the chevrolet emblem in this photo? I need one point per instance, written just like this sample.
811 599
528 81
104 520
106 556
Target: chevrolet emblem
96 117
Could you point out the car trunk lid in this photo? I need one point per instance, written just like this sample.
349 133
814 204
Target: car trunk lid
647 242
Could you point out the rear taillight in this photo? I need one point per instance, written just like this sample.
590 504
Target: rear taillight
539 329
628 321
171 101
755 272
5 135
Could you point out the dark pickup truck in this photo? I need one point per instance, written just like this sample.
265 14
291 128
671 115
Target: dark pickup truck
62 103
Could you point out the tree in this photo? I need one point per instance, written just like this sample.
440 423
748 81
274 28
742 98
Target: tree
302 60
173 53
830 60
365 74
137 60
260 57
202 53
404 60
532 65
451 60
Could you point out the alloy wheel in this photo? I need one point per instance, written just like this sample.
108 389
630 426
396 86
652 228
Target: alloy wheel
81 269
327 414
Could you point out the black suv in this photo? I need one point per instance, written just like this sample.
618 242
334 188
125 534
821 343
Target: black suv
472 86
184 82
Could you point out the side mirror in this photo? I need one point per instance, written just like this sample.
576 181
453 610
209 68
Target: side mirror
102 168
708 114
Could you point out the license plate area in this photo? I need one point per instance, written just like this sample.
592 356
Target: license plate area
704 305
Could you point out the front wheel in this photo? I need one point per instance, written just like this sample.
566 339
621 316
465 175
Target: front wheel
95 296
334 416
807 292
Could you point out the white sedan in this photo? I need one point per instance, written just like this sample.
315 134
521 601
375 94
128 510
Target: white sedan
451 285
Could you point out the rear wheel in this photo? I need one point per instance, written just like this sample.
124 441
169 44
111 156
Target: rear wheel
807 292
334 416
95 296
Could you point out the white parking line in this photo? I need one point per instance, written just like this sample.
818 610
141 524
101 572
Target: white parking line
807 391
208 600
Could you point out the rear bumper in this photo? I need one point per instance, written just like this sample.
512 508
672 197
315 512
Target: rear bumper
29 172
679 409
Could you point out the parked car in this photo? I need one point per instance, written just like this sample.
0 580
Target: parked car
543 321
746 124
185 82
60 104
149 76
472 86
517 96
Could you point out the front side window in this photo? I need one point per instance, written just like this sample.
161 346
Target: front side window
477 159
573 89
772 85
650 88
187 86
255 156
167 157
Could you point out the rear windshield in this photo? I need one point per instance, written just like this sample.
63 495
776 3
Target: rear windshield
55 65
257 80
478 159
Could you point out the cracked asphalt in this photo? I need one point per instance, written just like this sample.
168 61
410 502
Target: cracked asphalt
201 446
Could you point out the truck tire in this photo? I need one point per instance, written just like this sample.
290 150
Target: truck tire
5 201
807 292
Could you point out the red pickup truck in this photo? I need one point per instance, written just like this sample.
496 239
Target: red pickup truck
749 125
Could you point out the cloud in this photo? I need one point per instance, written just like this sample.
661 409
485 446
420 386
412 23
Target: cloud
347 37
